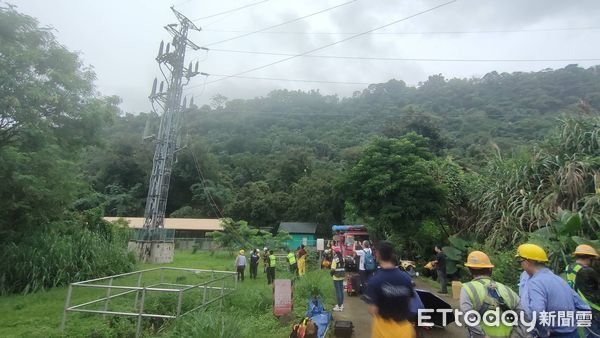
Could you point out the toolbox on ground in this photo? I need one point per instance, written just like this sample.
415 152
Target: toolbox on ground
343 328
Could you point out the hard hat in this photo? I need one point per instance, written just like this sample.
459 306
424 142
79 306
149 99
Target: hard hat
478 260
242 252
585 249
265 249
532 252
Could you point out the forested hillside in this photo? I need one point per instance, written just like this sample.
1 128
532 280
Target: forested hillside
278 157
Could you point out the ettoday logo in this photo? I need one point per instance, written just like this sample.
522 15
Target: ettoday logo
510 318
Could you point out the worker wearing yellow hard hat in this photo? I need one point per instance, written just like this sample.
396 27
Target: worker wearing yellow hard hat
543 292
585 281
483 294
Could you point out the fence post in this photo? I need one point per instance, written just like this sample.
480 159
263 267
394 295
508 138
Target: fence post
108 290
140 312
222 290
204 295
179 303
63 323
137 293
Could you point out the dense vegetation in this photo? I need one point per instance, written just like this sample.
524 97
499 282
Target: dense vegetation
49 115
494 160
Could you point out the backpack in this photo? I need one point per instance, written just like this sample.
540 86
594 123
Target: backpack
369 260
493 300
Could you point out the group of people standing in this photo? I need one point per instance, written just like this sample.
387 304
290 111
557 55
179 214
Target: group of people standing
552 302
297 263
542 299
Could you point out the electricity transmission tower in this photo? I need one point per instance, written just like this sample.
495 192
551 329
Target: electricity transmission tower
153 244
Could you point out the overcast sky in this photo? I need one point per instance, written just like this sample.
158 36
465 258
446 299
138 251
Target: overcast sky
120 39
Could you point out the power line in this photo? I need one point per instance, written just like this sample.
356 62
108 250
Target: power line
336 42
404 59
281 24
413 33
231 10
286 80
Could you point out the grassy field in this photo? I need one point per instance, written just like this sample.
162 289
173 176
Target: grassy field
246 313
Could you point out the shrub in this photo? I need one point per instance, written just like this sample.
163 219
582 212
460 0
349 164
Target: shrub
61 254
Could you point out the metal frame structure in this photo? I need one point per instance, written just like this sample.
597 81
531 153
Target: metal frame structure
217 282
168 138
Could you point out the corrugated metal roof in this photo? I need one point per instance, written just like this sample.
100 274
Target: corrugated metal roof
298 227
204 224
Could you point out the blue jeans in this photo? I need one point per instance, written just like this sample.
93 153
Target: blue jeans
339 291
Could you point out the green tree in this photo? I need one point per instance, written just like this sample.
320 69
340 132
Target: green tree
392 184
48 112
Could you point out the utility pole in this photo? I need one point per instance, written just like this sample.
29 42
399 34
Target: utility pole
154 243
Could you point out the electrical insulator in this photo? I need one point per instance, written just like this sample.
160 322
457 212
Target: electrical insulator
161 86
154 87
168 46
184 102
196 70
191 101
160 50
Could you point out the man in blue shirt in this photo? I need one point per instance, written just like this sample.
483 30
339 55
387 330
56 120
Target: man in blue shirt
546 297
392 298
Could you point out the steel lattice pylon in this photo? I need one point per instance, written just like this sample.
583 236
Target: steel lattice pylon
170 100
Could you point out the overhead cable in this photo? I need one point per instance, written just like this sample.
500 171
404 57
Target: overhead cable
336 42
412 33
281 24
230 10
286 80
405 59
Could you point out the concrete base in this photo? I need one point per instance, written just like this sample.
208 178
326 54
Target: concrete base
152 251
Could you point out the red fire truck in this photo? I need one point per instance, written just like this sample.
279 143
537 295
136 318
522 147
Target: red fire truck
346 235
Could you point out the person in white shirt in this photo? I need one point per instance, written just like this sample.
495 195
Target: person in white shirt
366 265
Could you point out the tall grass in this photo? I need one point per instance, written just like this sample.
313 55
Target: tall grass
248 312
60 255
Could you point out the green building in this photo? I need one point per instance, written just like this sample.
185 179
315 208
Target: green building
301 232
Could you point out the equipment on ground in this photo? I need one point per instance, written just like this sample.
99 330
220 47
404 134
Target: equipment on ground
409 267
316 312
343 328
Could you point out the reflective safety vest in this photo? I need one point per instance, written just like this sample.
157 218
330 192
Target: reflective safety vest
477 290
291 258
272 261
572 270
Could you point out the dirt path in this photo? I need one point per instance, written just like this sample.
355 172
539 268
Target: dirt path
356 311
